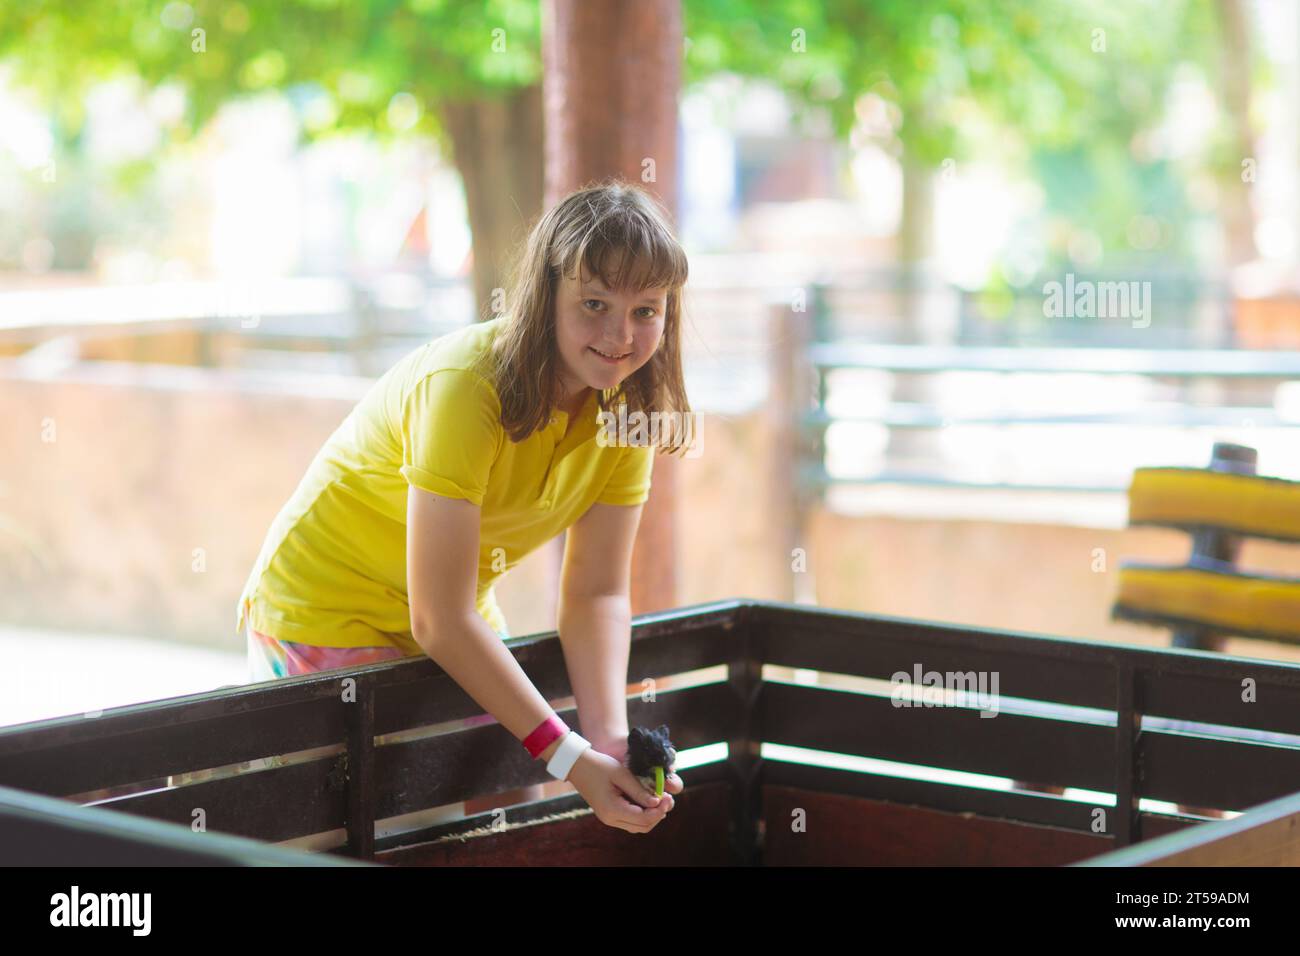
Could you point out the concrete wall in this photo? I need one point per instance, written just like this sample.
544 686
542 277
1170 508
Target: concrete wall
134 500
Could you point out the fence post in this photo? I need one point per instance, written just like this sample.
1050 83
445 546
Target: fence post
361 769
1127 825
744 742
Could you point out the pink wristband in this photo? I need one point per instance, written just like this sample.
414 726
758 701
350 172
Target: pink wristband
547 732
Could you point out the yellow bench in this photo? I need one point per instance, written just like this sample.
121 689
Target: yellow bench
1209 598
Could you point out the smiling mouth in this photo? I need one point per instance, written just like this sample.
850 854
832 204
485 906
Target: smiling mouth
606 355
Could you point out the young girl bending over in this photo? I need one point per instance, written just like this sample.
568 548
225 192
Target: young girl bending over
474 450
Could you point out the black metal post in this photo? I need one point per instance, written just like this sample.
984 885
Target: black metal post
743 747
1214 545
1128 732
361 770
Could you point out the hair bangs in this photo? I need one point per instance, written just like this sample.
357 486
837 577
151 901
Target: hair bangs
628 253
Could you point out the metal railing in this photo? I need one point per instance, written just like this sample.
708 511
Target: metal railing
1174 389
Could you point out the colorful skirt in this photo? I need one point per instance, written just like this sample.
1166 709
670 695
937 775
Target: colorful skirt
270 657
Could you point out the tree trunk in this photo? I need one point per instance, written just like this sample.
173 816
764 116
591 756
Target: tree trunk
910 449
497 148
1237 215
612 76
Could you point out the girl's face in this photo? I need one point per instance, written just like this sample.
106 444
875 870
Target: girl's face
604 337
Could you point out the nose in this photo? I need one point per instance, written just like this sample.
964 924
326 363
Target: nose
617 330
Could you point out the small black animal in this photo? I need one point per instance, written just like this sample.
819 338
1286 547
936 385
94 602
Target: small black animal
647 749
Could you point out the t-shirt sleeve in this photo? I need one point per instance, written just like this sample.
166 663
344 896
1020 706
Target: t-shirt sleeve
451 434
630 482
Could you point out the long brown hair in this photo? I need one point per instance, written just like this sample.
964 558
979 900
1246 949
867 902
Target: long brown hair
618 232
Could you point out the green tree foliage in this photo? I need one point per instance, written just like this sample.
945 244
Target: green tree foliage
1056 72
357 53
1061 86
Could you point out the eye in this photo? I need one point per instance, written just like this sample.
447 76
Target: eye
653 312
587 302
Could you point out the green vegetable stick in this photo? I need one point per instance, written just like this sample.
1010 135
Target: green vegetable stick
659 781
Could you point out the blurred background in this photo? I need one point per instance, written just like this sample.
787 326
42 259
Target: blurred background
912 226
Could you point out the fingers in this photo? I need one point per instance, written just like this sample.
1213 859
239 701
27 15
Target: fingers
635 792
633 824
637 827
639 820
632 811
640 812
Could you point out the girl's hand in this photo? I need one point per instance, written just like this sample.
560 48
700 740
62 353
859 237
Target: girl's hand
617 748
618 798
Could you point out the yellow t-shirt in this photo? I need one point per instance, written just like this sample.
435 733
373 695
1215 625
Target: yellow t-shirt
332 570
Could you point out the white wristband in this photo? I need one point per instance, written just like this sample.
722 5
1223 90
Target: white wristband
566 755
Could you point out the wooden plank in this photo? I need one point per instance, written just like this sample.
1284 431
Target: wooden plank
1182 684
1158 824
1198 498
711 773
46 831
1008 745
1218 698
280 803
1218 600
1199 771
693 834
849 831
146 743
284 802
419 693
152 741
436 771
1267 835
1022 806
1030 666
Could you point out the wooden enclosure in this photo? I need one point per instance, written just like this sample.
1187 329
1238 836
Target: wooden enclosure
335 754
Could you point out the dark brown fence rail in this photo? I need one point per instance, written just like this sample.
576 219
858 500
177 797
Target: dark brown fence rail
1069 713
1113 751
46 831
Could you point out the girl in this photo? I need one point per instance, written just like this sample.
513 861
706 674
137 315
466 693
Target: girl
471 452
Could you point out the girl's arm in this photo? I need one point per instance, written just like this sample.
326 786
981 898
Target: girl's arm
442 542
595 620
